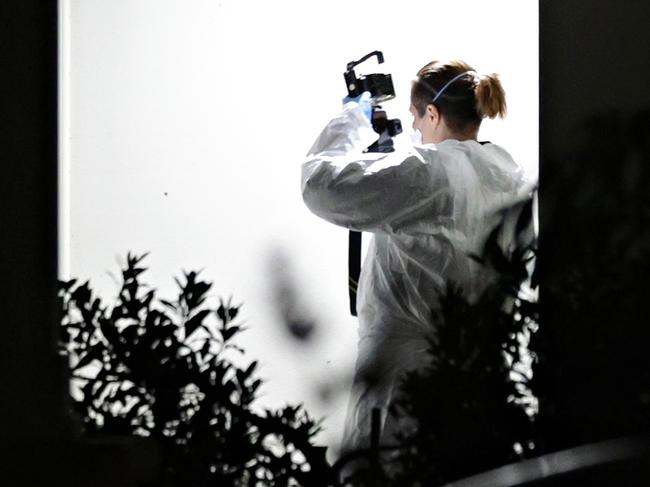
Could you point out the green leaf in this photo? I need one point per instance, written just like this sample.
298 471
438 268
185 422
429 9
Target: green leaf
67 285
251 368
205 349
232 312
82 294
228 333
221 313
108 329
195 322
146 301
88 358
170 305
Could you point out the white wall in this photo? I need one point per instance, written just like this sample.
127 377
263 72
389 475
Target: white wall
185 122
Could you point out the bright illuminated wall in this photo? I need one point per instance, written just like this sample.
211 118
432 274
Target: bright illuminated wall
185 123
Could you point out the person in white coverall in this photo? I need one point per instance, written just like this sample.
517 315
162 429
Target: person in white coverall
427 207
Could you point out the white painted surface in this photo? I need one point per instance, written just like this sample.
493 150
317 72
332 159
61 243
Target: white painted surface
185 123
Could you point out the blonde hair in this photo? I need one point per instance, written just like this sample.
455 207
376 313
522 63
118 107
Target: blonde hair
465 101
490 97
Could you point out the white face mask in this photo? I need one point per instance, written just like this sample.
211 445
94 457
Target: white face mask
416 137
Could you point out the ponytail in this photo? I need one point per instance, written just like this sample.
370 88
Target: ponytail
490 97
461 95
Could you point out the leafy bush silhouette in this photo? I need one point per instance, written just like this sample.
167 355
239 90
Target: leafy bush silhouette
165 370
471 408
473 404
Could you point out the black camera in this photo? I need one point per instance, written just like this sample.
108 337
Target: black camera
380 87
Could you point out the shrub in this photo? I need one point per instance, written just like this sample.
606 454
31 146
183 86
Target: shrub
472 408
165 370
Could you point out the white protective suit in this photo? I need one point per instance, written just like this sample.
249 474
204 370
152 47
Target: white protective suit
427 207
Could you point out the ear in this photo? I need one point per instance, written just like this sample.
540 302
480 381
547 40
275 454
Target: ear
432 113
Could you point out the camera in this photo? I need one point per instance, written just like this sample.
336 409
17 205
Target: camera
380 87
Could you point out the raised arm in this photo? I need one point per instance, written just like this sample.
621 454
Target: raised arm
366 191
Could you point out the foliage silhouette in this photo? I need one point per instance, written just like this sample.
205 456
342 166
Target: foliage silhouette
472 408
165 370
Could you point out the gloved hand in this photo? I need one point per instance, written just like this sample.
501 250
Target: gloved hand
364 102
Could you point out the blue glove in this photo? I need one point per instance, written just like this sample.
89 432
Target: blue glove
364 102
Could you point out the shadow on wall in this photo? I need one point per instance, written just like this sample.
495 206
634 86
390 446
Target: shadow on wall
300 323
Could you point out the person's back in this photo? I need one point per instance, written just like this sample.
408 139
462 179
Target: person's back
428 208
406 270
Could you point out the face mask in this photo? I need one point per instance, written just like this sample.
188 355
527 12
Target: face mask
416 137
